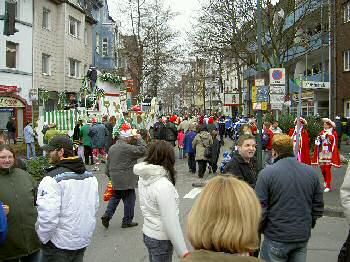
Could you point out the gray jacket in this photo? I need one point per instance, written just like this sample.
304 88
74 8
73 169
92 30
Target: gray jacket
121 160
291 198
29 134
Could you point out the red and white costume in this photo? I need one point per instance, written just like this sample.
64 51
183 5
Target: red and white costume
326 154
304 142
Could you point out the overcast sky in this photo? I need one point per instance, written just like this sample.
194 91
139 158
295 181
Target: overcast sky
186 9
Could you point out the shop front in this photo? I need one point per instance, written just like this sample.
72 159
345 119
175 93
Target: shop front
14 106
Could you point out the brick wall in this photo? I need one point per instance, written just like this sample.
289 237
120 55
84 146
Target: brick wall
342 44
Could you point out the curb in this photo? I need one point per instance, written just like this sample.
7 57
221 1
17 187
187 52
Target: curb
334 211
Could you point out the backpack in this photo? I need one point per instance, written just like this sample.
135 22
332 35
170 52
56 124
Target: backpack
3 225
265 139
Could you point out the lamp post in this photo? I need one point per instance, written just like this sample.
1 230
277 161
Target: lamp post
260 69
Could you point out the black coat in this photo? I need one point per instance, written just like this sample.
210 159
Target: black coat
159 131
171 132
215 151
241 169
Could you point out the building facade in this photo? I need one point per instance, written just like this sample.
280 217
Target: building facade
62 46
16 68
103 38
342 33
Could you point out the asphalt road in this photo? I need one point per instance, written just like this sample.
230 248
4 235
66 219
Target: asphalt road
126 245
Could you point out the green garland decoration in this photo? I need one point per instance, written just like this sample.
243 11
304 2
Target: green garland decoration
111 78
99 92
62 98
44 95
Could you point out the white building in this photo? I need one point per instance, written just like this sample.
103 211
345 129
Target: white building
16 68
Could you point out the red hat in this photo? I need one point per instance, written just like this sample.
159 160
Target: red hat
173 118
94 120
201 120
211 120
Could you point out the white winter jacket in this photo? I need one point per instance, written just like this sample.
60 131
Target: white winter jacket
159 202
67 208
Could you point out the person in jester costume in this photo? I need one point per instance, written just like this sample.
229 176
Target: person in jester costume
304 141
326 152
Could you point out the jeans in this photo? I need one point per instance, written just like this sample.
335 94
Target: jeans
273 251
129 197
191 162
50 253
158 250
34 257
181 153
202 166
31 150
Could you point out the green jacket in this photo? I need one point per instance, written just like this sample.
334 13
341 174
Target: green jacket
84 133
17 190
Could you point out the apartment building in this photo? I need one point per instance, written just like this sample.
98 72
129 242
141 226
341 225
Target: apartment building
342 34
62 46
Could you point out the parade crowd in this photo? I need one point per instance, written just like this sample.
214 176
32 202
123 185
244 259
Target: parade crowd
54 220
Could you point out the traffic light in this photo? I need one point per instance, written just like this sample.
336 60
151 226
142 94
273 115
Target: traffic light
10 18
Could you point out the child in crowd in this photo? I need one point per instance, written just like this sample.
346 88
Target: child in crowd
181 143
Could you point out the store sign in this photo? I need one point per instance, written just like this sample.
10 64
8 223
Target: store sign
259 82
316 85
10 102
231 99
9 89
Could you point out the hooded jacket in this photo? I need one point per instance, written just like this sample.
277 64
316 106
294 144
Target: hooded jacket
67 205
159 202
17 190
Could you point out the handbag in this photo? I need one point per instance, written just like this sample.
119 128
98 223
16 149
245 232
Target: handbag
207 150
108 192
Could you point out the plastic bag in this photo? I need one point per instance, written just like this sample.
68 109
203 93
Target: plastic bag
108 192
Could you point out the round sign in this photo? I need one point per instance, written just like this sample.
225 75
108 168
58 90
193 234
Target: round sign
277 75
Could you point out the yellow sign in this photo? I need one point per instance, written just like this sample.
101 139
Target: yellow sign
10 102
254 94
260 106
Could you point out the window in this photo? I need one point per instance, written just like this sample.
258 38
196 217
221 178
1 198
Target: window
85 70
347 12
347 109
46 19
105 47
347 60
11 54
46 64
74 68
74 27
85 36
17 14
97 43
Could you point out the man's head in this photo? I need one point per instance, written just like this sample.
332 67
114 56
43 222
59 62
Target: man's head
282 145
59 147
246 145
275 124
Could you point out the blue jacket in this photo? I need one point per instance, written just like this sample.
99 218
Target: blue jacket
292 200
188 141
3 224
228 122
98 134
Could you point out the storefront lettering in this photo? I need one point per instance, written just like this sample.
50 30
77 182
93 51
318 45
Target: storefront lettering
10 102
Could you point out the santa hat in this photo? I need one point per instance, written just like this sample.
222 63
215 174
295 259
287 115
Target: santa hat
173 118
125 131
302 120
201 120
211 120
94 120
328 121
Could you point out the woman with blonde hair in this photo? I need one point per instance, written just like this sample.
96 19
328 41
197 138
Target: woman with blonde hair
223 223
